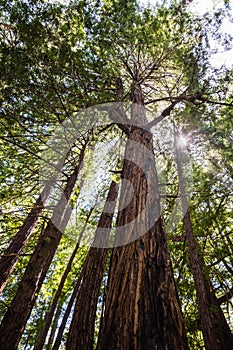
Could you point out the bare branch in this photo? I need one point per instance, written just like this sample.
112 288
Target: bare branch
226 297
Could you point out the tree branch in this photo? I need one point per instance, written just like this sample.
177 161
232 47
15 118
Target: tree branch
226 297
163 115
196 97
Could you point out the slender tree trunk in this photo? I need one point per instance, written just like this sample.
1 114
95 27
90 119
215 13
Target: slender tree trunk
68 309
216 332
49 316
142 307
11 255
54 326
81 334
15 319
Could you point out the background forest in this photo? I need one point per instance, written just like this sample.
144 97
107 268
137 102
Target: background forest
81 83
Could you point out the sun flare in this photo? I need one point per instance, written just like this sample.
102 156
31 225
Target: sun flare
182 141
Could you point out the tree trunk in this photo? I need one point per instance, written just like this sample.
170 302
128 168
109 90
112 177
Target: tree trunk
49 316
11 255
68 310
216 332
54 326
15 319
81 334
142 307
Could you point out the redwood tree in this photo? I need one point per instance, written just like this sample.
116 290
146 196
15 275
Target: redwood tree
142 306
81 333
15 319
216 332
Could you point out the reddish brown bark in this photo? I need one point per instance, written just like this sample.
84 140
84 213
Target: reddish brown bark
81 334
49 316
11 255
15 319
54 326
68 310
216 332
142 307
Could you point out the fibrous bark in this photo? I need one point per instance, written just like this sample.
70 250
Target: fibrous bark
11 255
216 332
49 315
81 334
15 319
142 308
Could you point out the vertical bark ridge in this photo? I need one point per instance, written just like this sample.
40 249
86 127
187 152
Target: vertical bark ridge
81 333
142 307
49 315
15 319
216 332
11 255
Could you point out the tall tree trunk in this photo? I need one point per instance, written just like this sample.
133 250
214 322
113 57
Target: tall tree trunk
11 255
54 326
15 319
68 310
81 334
49 316
216 332
142 307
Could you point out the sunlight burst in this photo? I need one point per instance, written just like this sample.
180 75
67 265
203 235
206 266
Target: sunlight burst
182 141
